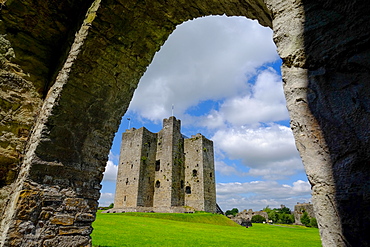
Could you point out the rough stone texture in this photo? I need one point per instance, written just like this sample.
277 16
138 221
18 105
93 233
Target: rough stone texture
326 75
136 169
170 153
163 172
53 165
44 188
19 102
200 173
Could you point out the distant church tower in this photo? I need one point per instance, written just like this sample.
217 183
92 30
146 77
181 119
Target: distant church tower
165 172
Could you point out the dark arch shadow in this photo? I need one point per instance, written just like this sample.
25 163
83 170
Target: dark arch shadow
336 44
68 147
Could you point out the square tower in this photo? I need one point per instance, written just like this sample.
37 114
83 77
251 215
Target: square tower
135 175
169 170
200 191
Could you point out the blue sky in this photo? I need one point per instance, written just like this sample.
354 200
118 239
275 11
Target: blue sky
222 74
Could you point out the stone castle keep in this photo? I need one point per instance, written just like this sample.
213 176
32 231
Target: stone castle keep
165 171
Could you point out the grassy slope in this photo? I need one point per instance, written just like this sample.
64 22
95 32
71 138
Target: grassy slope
137 229
206 218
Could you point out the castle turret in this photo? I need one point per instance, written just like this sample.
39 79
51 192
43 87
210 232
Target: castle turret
169 172
200 192
135 175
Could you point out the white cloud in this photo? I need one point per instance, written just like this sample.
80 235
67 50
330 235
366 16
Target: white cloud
265 104
259 194
227 170
207 58
301 186
113 157
110 173
262 102
268 151
106 199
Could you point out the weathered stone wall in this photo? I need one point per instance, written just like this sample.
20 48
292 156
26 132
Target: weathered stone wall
209 179
326 75
194 169
168 177
32 48
26 63
33 208
128 167
246 216
147 169
178 161
90 78
199 174
135 176
300 208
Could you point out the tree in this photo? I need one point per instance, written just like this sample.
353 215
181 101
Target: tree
284 210
111 205
305 219
273 215
286 218
313 222
258 219
233 211
281 215
267 209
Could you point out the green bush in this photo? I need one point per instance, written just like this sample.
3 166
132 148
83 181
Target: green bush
281 215
286 219
305 219
233 212
274 216
258 219
313 222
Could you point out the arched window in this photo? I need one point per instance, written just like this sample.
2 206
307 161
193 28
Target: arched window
157 184
188 190
157 165
195 173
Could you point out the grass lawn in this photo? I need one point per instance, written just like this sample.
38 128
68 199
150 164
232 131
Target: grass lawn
154 229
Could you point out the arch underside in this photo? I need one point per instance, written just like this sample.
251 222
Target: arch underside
74 92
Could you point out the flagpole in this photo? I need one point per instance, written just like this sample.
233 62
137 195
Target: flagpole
129 121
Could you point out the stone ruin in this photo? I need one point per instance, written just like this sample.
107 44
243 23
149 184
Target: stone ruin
68 72
244 218
165 172
300 208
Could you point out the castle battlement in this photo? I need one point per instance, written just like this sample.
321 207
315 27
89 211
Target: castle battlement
164 172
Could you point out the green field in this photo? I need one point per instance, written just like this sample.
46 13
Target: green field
200 229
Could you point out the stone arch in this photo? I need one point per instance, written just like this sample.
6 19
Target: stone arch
57 160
